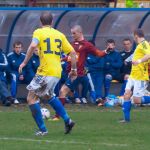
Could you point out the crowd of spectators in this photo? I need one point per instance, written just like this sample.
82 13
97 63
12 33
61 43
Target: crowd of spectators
100 72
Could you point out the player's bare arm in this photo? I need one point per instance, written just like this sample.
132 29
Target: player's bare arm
73 72
144 59
29 53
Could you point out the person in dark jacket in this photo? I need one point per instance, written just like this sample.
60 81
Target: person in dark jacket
126 66
32 66
113 63
15 58
4 92
95 74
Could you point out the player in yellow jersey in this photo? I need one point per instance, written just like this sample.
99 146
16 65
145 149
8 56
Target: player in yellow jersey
50 43
138 79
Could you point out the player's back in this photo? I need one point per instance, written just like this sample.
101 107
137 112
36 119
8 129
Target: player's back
51 43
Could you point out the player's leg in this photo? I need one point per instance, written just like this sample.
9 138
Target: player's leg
126 76
107 83
62 97
35 108
56 103
126 107
139 93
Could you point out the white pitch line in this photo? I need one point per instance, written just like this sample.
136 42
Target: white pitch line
62 142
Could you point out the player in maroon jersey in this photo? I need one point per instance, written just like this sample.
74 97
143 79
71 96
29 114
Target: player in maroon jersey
82 48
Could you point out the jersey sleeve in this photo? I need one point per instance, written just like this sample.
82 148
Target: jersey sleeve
36 36
66 46
93 50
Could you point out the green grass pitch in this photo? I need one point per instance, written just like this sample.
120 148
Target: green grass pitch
95 129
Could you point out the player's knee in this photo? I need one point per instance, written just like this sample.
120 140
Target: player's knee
137 100
63 91
31 98
127 95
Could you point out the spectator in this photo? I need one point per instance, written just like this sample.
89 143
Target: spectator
126 66
15 58
32 66
113 63
4 93
64 74
95 67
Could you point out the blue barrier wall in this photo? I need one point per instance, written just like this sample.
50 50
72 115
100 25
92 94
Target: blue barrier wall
98 24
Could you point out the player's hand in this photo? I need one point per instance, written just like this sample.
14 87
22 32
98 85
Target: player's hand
73 74
136 62
21 67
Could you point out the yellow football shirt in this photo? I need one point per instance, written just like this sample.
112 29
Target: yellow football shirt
140 71
51 43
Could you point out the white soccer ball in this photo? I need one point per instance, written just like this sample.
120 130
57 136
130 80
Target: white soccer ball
45 113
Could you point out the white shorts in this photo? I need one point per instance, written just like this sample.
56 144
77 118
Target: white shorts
43 85
139 87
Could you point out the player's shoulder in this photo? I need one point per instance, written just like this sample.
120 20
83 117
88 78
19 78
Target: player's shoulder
87 43
36 31
144 44
57 32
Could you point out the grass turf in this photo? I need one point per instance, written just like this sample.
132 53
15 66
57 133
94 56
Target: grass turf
95 129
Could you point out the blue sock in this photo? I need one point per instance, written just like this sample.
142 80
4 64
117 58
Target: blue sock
37 115
145 100
107 86
59 108
126 110
123 88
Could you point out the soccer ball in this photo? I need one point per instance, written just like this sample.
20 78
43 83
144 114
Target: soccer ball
45 113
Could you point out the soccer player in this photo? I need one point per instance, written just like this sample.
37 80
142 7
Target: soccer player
50 43
82 48
138 79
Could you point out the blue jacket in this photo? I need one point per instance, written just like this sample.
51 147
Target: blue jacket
34 62
14 61
113 63
94 63
3 66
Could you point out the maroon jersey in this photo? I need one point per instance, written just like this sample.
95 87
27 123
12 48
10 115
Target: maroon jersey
83 48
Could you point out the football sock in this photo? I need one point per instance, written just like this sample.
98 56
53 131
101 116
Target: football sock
37 115
107 86
145 100
59 108
126 110
123 88
63 100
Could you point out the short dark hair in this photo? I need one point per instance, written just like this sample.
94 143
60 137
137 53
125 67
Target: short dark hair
139 33
46 18
127 39
110 41
17 43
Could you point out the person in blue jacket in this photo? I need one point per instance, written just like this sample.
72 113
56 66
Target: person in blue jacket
5 95
113 63
15 58
32 66
95 74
